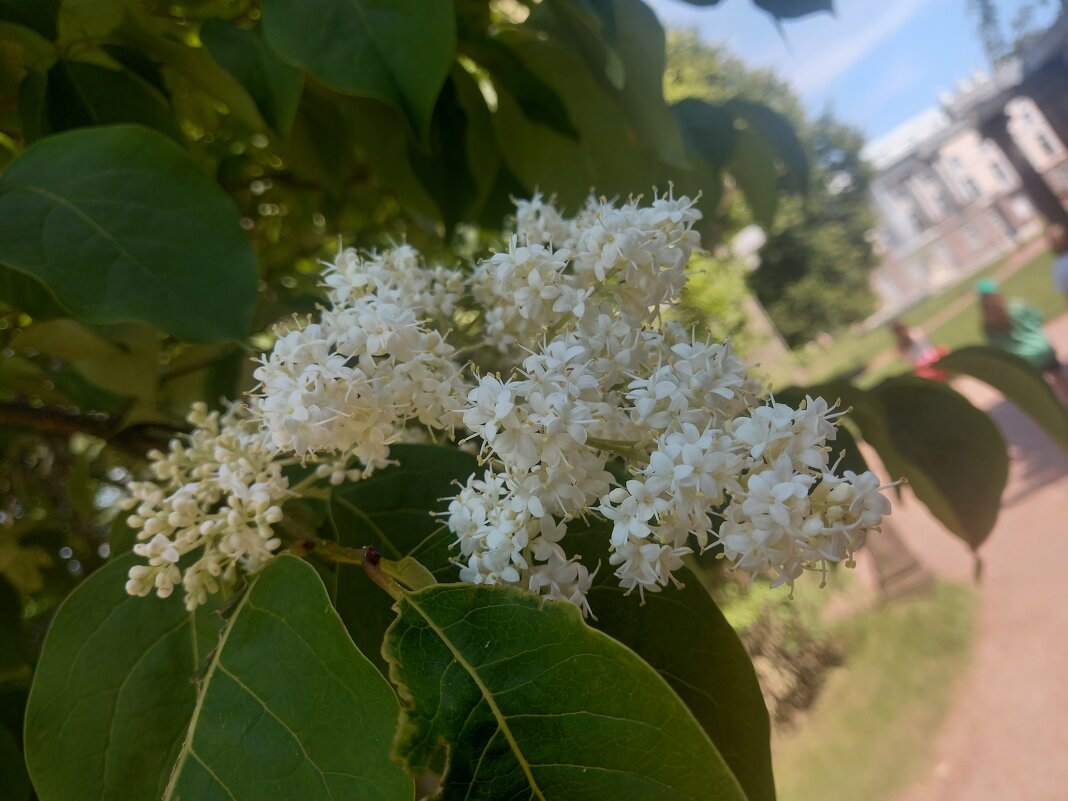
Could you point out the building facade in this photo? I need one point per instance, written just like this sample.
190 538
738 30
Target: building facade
948 201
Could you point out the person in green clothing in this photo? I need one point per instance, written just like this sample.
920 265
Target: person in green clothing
1016 327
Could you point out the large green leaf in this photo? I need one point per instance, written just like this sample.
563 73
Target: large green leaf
391 510
395 50
538 101
40 15
683 635
1017 380
606 155
121 225
707 130
125 363
752 164
81 95
113 694
311 716
445 171
273 85
633 30
533 703
778 131
951 453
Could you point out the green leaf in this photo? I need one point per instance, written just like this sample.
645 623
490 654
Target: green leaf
533 703
753 166
314 717
707 129
85 214
606 156
381 133
398 51
777 131
682 634
91 20
126 364
32 102
1017 380
14 783
391 510
28 295
480 146
951 453
634 31
273 85
112 695
41 15
81 95
444 171
539 102
791 9
22 47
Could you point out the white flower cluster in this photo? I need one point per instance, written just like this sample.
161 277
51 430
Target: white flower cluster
624 262
710 462
219 491
605 388
348 384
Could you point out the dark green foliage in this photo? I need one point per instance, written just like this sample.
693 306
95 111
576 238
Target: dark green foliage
83 213
537 704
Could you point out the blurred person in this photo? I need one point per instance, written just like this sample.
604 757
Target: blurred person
1058 242
1016 327
917 350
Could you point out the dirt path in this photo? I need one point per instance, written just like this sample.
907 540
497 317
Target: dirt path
1006 738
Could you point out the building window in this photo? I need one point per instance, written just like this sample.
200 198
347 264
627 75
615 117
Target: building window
1045 144
1022 208
972 236
917 223
943 256
999 172
971 188
899 193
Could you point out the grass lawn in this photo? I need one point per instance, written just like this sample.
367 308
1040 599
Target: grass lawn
1031 284
852 352
876 719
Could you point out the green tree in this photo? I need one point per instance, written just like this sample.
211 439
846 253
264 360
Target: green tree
814 270
813 273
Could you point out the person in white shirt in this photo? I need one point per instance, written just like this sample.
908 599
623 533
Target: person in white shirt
1058 242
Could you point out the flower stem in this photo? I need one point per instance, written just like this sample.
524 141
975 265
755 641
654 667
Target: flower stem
328 549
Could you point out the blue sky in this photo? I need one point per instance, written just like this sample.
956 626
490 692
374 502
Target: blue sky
876 62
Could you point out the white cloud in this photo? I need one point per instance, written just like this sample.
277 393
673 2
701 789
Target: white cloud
819 63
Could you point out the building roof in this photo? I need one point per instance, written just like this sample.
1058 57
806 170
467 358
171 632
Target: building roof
904 139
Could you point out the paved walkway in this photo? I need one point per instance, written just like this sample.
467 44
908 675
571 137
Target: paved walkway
1006 737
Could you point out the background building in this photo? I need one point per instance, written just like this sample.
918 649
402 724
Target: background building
950 201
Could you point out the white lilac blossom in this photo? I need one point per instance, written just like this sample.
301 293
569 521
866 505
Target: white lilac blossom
600 386
217 493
